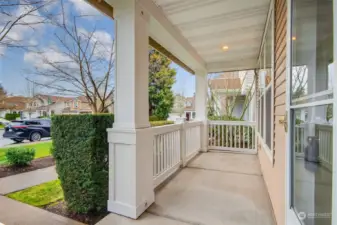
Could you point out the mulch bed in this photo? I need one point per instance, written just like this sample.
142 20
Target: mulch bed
60 208
35 164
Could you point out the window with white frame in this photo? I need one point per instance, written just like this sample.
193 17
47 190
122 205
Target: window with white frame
266 74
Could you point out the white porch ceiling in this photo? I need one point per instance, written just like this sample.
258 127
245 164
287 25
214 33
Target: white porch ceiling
211 24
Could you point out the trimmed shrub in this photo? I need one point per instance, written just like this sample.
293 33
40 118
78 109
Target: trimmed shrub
154 118
80 148
12 116
160 123
20 156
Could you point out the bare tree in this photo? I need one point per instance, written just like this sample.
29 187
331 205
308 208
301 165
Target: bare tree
18 16
80 64
3 94
215 98
299 81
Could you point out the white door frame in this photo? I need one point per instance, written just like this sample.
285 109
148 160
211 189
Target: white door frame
291 217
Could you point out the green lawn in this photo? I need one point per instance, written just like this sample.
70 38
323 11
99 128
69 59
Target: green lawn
42 149
40 195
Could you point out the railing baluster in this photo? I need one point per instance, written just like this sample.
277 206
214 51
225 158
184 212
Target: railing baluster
235 136
162 153
244 136
154 157
239 136
251 137
226 135
158 154
222 136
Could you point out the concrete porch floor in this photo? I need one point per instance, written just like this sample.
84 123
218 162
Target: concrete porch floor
214 189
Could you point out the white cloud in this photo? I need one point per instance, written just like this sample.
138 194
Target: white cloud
84 8
33 42
2 50
103 43
48 56
26 27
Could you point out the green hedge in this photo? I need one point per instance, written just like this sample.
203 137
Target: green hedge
80 148
12 116
160 123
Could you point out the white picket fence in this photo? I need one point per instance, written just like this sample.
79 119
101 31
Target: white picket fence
232 136
324 135
174 146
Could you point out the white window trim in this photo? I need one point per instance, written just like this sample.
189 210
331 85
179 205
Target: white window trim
269 151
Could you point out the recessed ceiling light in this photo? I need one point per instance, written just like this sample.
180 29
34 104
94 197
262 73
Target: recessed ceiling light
293 38
225 47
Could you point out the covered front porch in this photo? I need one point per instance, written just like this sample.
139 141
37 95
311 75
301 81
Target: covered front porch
214 188
168 175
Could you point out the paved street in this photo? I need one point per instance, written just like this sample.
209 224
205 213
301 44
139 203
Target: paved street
5 141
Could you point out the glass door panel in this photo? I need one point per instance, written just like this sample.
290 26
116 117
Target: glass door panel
311 110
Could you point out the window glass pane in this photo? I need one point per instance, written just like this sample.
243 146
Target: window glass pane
312 170
312 50
268 118
262 116
269 52
259 117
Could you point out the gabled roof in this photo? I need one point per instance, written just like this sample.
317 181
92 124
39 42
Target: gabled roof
53 98
226 83
14 102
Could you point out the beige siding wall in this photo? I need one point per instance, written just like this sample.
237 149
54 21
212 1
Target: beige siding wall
274 172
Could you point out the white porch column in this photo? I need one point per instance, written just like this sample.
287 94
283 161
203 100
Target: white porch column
130 139
201 105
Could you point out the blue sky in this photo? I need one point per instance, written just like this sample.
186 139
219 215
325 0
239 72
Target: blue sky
15 63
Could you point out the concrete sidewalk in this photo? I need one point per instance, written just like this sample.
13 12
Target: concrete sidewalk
25 180
17 213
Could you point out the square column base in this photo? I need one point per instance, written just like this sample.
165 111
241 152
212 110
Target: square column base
131 189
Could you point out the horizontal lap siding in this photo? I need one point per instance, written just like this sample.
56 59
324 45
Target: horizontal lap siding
274 172
280 108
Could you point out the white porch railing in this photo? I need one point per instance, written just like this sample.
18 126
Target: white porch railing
300 141
173 146
192 140
324 135
231 136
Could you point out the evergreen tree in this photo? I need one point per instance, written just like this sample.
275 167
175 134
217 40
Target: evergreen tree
3 94
161 80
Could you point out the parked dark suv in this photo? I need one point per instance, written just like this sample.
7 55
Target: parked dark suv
32 130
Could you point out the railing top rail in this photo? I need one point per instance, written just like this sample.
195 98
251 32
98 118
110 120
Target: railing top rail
324 126
166 129
192 124
222 122
318 126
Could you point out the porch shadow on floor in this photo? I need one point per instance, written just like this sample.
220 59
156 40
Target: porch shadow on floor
214 189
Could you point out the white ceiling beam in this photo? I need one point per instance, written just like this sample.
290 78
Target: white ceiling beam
167 35
237 65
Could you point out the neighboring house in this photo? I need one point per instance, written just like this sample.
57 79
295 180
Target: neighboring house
234 86
13 104
184 107
45 106
189 107
78 105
